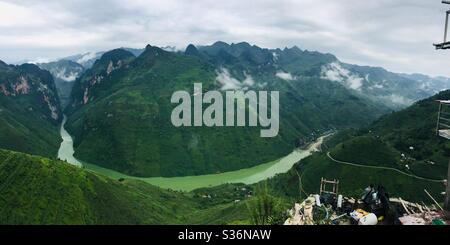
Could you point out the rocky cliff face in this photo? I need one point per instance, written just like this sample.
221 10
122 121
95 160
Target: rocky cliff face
90 83
31 86
30 110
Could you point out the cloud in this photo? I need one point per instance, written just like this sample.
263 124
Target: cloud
285 76
248 81
398 99
67 76
230 83
86 57
379 33
335 72
377 86
227 82
40 60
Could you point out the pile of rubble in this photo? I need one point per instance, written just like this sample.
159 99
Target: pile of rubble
373 208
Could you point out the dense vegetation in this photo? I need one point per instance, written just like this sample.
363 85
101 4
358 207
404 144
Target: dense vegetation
37 190
413 132
352 180
385 143
410 132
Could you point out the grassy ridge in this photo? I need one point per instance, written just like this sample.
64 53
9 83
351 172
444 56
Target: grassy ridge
367 150
37 190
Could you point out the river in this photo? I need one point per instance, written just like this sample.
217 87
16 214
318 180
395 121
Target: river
66 151
187 183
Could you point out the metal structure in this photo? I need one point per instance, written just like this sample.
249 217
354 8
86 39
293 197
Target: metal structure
445 44
443 122
443 130
334 186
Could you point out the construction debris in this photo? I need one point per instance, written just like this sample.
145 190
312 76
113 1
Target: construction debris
425 218
373 208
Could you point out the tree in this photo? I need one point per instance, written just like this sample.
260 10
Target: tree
264 208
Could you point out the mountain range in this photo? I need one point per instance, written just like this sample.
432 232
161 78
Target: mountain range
395 90
309 82
120 111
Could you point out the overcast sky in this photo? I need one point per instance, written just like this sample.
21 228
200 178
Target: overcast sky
395 34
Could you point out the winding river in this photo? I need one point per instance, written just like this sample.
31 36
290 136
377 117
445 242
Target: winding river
66 151
187 183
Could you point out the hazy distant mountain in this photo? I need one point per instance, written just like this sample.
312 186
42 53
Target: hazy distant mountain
85 59
377 84
64 73
430 84
392 89
89 58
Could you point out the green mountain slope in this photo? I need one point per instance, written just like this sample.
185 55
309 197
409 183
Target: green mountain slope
411 133
352 180
36 190
404 140
29 110
120 112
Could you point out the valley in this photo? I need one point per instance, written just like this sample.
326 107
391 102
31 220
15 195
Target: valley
113 116
120 111
188 183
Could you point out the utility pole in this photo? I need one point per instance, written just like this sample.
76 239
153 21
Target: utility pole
447 191
445 44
